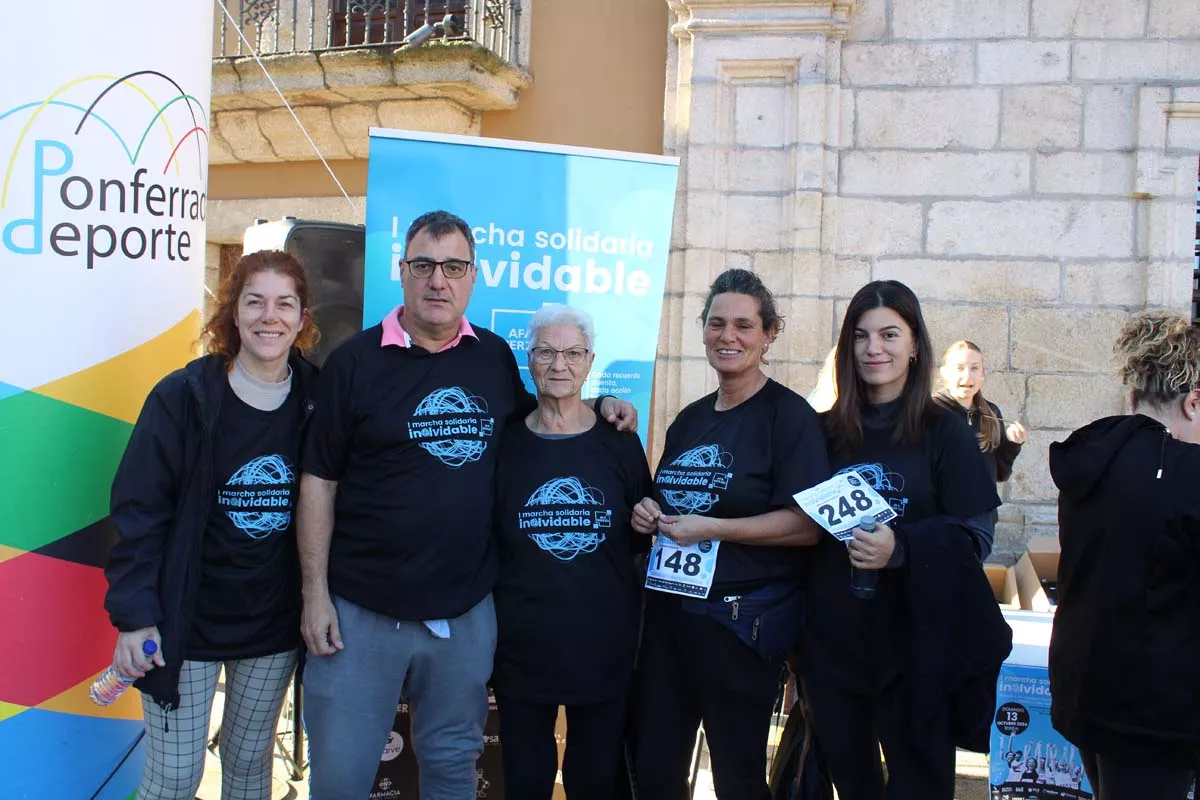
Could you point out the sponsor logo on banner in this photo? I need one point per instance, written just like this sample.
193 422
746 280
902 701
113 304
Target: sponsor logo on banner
391 750
63 195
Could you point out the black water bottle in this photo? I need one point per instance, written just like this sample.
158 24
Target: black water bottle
862 581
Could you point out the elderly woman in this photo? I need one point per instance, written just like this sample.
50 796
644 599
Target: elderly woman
568 597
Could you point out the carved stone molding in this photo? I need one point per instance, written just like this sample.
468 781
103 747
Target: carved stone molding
339 94
830 17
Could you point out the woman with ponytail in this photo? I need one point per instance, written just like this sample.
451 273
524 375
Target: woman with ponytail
962 374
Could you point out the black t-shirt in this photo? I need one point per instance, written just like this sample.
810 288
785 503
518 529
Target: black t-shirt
743 462
409 436
568 596
248 600
860 644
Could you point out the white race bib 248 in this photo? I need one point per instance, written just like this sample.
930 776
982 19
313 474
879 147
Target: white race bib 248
840 502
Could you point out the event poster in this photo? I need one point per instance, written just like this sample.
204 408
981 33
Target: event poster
588 228
1030 759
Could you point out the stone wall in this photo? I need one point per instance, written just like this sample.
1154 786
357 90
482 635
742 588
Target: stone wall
1028 167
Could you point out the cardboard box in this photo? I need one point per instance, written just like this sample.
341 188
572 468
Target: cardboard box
1029 759
1032 583
1004 584
1043 552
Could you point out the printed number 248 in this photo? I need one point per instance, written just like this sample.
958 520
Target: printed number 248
844 509
676 562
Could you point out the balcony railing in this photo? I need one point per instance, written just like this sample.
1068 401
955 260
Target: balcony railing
290 26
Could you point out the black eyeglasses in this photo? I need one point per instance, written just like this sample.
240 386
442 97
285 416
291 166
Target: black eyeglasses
424 267
546 355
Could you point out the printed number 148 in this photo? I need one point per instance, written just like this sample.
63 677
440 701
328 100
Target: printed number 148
676 562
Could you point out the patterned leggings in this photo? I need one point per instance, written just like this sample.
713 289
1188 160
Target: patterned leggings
254 690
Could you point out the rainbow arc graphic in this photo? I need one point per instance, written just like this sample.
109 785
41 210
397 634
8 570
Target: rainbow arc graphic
92 115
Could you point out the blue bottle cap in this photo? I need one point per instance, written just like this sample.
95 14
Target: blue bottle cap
149 647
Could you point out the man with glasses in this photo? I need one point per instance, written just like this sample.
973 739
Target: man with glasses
394 526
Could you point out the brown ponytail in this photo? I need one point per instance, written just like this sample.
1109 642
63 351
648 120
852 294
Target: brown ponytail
990 432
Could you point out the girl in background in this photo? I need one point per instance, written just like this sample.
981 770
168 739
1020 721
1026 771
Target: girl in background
963 372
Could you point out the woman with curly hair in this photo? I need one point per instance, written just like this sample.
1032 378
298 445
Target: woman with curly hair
205 562
1125 646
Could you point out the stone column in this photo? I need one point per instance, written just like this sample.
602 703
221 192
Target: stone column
753 110
1168 129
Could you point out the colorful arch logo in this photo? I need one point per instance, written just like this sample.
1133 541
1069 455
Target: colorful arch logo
103 192
68 149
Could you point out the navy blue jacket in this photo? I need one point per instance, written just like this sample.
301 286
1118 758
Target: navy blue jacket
161 498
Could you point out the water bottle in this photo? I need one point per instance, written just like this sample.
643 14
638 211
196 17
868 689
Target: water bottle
862 581
111 684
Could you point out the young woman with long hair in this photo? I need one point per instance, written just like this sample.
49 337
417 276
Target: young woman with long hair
907 665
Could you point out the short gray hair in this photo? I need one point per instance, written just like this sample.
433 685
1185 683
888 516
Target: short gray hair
557 314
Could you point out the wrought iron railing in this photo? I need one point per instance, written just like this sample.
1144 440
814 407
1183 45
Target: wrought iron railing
293 26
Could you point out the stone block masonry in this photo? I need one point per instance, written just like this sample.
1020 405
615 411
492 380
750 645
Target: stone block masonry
1027 166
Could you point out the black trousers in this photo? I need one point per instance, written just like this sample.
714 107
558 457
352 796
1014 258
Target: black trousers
595 748
1122 780
850 729
693 669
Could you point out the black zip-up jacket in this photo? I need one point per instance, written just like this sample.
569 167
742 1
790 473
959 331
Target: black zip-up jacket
1000 459
161 498
957 637
1125 650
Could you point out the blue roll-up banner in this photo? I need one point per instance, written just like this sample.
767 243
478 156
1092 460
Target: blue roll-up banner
588 228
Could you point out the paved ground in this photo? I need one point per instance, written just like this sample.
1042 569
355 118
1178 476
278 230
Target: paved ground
971 785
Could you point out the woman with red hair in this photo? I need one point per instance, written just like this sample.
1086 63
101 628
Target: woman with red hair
204 563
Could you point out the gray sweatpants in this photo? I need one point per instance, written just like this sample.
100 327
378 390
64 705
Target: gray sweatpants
351 696
175 741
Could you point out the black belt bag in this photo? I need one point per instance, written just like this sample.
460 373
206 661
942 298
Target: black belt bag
767 619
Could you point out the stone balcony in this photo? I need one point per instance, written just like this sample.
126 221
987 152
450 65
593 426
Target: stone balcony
342 85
